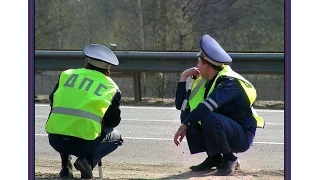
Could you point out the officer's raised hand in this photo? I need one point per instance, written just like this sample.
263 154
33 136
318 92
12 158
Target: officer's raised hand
194 71
181 132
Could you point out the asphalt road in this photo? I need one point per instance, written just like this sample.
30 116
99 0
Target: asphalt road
148 139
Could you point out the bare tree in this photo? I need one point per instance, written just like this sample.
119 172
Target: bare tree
49 22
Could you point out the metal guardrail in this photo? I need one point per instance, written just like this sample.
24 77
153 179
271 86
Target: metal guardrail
267 63
140 61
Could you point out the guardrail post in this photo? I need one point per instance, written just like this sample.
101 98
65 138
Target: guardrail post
137 86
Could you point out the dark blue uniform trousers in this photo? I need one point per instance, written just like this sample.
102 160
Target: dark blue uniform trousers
96 149
218 135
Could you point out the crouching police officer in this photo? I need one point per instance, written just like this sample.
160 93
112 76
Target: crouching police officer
218 117
84 111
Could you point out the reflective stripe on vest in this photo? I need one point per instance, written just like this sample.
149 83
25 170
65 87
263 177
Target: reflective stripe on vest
76 112
247 86
197 85
80 102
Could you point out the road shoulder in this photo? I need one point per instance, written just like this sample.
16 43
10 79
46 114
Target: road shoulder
49 169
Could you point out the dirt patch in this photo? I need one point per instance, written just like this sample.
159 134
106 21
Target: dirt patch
165 102
49 169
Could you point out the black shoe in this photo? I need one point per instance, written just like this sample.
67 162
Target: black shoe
207 164
82 165
228 167
65 172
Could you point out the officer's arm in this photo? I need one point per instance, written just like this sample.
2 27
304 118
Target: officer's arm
226 90
112 117
54 90
180 94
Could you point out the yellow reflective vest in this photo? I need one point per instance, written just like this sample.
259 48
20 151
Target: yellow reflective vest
198 90
80 102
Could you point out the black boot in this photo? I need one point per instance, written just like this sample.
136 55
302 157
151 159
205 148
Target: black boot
85 168
228 167
66 169
208 163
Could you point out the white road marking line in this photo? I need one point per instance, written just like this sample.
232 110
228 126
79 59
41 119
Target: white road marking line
158 120
165 139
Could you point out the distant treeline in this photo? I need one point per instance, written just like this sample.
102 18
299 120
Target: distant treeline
160 25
